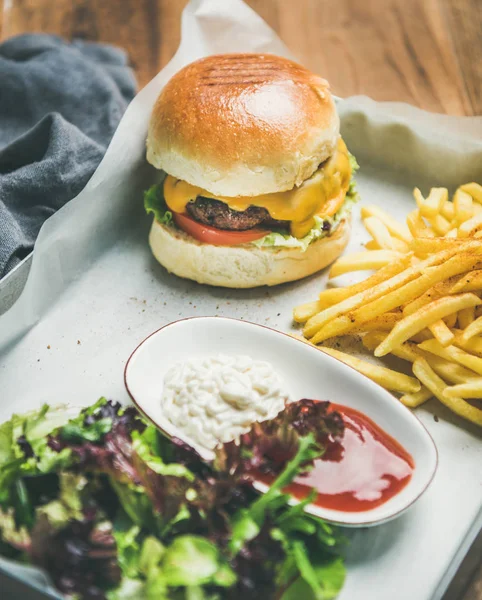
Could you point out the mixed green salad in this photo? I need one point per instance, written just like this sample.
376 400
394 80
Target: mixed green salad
155 203
112 509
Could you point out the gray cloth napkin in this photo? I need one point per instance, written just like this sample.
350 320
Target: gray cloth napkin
60 104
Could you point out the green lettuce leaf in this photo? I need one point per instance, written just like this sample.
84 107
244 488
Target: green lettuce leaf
10 533
135 503
154 203
33 427
330 577
178 571
68 507
128 542
247 522
194 561
82 429
146 446
309 544
352 191
129 589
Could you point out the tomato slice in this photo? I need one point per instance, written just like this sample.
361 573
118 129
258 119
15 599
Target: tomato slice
214 236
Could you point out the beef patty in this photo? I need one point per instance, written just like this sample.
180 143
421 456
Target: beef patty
218 214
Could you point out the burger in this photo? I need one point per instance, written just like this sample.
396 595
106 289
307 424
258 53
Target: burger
255 184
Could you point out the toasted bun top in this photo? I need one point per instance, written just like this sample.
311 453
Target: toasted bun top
243 124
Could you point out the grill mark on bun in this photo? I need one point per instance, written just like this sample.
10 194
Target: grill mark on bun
240 65
245 57
237 82
238 72
246 69
242 79
222 72
244 72
238 77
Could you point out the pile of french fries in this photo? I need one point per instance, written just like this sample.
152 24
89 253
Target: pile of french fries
422 303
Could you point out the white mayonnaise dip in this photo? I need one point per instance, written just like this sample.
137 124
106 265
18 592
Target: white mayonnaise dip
217 398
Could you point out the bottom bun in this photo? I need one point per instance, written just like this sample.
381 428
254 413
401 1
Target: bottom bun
244 266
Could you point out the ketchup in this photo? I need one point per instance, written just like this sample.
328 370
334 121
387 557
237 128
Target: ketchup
362 471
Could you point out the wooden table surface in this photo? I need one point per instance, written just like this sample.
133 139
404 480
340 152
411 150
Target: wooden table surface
425 52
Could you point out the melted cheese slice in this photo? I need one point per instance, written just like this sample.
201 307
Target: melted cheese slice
320 195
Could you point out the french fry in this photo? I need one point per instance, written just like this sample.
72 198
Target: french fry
474 345
472 329
342 324
423 307
399 245
442 288
470 282
417 226
440 225
429 246
424 317
432 205
445 268
407 351
448 210
331 296
395 228
474 189
372 339
363 261
451 320
417 398
468 228
327 298
396 244
380 276
379 232
452 353
449 370
391 380
345 323
466 317
436 385
395 275
441 332
419 199
436 199
462 207
303 312
469 389
383 322
421 336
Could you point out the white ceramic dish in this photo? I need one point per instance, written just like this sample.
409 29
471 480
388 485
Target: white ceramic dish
308 373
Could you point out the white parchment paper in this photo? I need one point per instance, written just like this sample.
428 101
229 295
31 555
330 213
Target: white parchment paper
94 291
